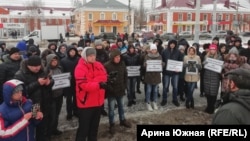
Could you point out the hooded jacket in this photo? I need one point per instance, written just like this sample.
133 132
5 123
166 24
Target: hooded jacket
54 71
194 77
13 125
88 76
117 88
235 109
173 54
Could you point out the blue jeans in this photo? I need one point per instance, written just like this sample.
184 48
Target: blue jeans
174 83
111 107
190 90
131 88
150 88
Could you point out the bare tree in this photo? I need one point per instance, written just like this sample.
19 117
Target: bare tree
34 12
140 16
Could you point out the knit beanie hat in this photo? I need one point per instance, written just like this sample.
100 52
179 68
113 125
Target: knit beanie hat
213 47
90 51
114 53
98 42
18 89
233 50
13 50
153 46
34 61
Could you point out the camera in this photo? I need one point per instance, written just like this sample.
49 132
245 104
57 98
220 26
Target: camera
112 77
35 109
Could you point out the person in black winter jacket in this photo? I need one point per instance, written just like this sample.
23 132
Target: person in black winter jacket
9 67
68 64
158 43
38 86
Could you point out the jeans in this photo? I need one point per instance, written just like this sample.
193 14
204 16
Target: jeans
174 83
131 88
111 106
151 88
190 90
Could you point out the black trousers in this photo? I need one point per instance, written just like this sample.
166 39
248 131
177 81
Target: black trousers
211 100
56 106
70 101
89 119
202 82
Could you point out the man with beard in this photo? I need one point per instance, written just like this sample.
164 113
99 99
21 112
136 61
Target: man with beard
235 107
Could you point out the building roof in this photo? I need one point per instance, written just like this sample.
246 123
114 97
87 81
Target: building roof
104 4
22 8
205 4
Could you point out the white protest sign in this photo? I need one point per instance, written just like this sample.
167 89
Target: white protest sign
173 65
61 81
154 66
133 71
214 65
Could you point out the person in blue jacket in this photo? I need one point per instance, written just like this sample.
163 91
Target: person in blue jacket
17 122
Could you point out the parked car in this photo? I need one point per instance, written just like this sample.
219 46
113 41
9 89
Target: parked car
205 35
168 36
244 34
186 35
221 34
110 36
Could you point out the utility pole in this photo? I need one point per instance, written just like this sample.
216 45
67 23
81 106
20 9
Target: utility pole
129 16
197 21
214 23
237 18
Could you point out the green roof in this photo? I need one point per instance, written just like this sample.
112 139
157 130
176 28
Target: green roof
105 4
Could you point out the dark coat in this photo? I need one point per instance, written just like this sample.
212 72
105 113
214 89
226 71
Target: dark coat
102 56
7 72
235 109
117 88
35 92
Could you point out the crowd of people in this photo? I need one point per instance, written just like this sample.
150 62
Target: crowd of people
30 106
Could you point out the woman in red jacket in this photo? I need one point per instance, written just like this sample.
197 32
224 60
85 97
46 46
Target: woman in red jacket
91 77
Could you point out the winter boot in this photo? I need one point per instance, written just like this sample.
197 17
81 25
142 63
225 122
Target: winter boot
112 129
187 104
192 104
149 107
154 105
125 124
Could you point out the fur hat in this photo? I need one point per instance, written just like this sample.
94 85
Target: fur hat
98 42
34 60
13 50
114 53
88 51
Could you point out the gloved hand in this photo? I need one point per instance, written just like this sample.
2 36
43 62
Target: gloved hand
103 85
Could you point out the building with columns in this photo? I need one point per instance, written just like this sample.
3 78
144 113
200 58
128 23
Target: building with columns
98 16
179 15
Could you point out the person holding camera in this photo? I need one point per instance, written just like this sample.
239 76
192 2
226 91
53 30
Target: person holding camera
116 88
91 78
17 122
38 86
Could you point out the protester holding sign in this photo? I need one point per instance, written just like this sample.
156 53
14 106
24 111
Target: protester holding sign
211 80
132 62
192 66
53 68
173 54
152 76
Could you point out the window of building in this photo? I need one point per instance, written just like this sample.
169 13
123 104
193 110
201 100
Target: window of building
219 18
90 16
180 28
125 29
114 16
234 17
102 29
50 21
102 16
125 18
188 28
157 18
180 18
227 17
205 17
227 27
248 17
189 17
164 17
204 28
219 27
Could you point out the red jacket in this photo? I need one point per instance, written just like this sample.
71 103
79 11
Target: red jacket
88 76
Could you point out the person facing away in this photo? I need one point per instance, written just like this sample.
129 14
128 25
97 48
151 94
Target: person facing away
235 107
90 77
17 122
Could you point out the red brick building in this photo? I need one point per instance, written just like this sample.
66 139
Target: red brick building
179 15
25 19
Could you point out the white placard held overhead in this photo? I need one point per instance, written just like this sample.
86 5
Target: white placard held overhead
61 81
173 65
154 66
214 65
133 71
